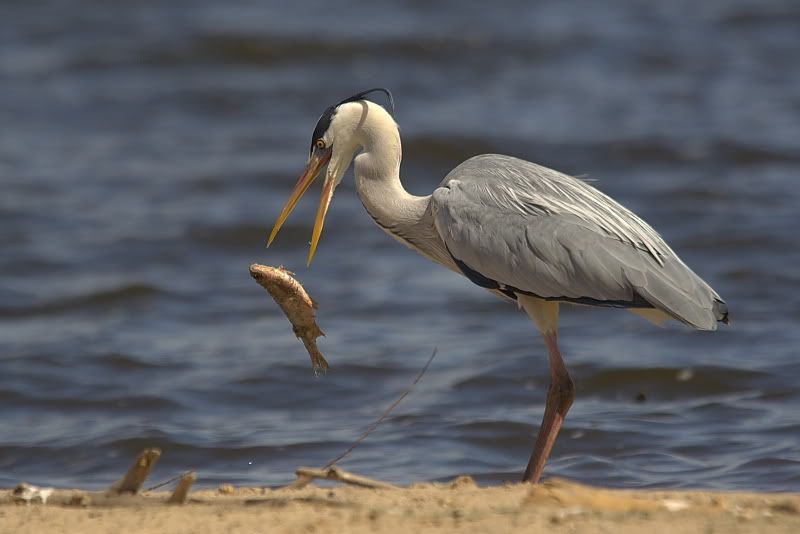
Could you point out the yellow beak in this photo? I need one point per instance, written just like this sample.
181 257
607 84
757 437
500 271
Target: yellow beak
324 202
303 183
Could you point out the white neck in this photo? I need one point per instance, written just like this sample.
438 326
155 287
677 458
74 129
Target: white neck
402 215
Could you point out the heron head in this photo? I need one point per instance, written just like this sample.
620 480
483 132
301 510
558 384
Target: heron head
333 145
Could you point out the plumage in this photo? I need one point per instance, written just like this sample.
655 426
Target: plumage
558 238
520 230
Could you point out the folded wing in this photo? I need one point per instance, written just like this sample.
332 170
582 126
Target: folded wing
530 230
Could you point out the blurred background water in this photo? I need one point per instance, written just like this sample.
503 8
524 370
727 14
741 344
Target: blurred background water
147 147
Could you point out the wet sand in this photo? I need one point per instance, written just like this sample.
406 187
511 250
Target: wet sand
554 506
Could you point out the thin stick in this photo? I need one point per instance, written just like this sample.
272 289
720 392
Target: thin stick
371 428
340 475
170 481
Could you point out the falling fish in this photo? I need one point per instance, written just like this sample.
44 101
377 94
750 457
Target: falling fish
296 304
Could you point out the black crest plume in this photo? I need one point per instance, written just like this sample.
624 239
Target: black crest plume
325 120
362 94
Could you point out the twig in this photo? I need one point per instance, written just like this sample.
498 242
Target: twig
340 475
371 428
305 476
170 481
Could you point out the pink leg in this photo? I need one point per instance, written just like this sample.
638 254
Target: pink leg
559 398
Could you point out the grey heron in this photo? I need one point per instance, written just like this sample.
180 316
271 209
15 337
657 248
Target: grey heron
524 232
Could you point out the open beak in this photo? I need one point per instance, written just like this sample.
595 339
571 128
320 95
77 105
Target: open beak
316 163
319 222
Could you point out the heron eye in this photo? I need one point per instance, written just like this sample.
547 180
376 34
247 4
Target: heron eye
319 143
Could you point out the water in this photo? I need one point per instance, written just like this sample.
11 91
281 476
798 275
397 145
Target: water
147 148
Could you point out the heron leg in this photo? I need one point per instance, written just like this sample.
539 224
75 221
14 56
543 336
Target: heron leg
560 395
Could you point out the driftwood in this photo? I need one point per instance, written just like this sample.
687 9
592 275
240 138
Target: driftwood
138 472
308 474
181 492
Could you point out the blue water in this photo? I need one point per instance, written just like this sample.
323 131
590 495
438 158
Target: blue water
147 147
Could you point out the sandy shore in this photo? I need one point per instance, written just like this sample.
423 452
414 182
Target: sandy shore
554 506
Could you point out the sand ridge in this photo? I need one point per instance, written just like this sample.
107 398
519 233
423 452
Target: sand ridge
555 506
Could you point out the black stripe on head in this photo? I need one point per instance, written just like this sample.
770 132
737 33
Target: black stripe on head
323 124
324 121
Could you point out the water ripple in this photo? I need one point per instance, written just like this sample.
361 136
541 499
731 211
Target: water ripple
153 146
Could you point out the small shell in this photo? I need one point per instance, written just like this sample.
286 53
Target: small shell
28 493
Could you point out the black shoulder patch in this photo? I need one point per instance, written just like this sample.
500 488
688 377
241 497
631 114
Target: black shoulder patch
480 280
483 281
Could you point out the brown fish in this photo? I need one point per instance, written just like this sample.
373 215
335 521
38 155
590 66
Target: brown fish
296 304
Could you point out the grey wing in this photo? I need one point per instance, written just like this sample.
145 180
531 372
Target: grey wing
517 227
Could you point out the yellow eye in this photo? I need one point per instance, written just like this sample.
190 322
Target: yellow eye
319 143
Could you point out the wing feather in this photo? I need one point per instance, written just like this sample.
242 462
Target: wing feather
536 231
511 183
